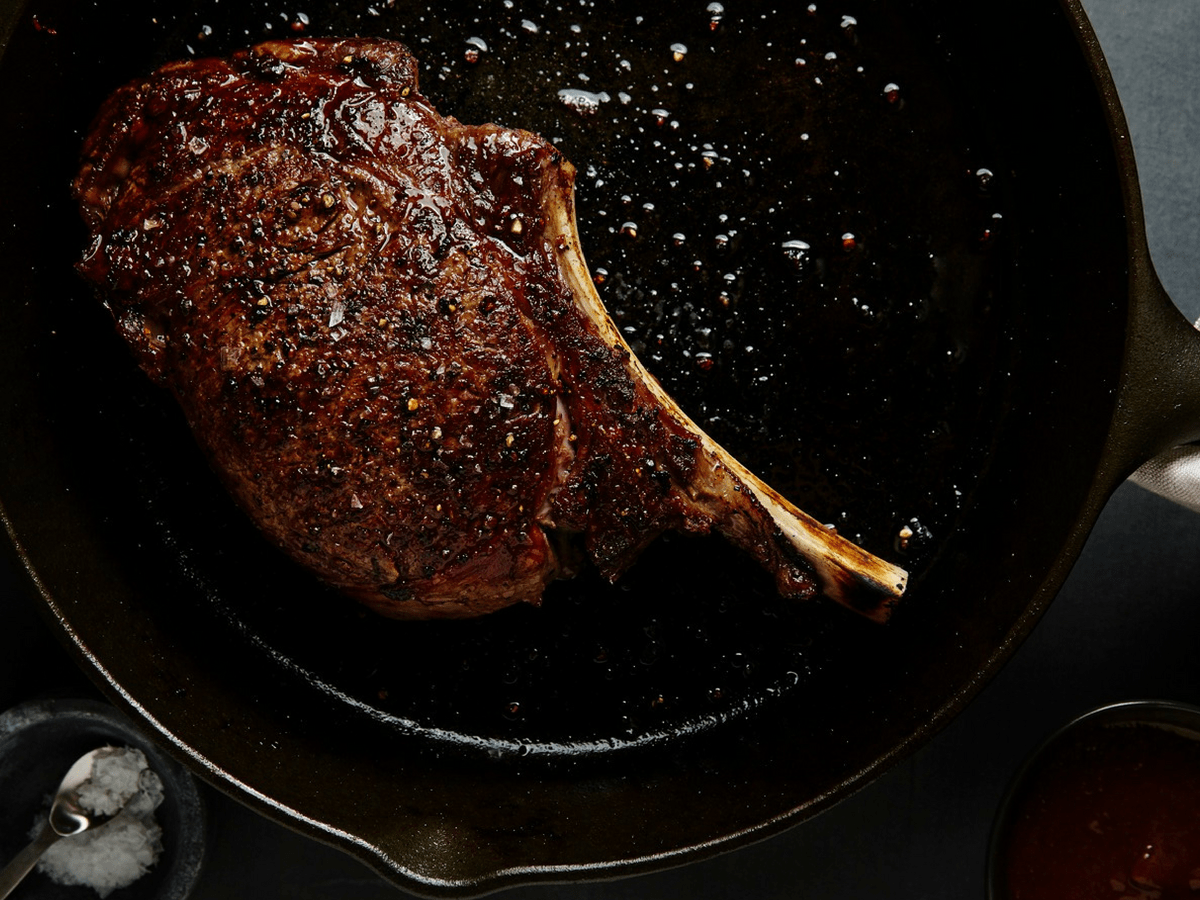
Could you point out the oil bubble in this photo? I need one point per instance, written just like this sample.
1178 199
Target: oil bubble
797 252
585 103
476 46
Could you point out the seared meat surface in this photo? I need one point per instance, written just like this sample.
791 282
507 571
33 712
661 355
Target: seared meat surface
381 330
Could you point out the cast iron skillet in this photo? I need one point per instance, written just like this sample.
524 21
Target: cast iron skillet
902 277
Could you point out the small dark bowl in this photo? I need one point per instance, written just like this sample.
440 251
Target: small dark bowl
1175 717
38 742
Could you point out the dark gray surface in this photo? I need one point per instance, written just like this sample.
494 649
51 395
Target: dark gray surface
1124 626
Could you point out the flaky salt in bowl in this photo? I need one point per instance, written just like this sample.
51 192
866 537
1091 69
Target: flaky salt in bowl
118 853
40 740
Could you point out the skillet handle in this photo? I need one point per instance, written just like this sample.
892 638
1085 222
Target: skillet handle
1173 474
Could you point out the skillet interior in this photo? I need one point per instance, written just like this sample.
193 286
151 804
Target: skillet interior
964 363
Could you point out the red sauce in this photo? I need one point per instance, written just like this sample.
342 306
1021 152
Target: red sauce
1113 811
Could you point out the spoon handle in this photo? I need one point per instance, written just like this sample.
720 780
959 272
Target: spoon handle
12 874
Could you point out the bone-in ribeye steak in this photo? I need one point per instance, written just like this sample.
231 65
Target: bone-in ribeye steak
381 330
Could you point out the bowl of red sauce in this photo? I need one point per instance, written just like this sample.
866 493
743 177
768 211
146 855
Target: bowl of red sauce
1107 807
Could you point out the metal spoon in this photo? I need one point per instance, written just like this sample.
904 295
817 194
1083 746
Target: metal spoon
66 818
